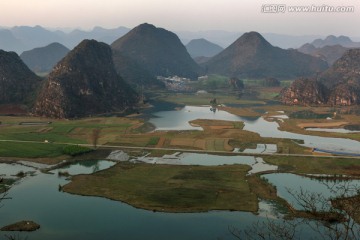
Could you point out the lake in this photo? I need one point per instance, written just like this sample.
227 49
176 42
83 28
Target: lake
65 216
287 181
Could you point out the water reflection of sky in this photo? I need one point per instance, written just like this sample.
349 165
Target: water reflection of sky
270 129
179 120
10 170
287 183
257 164
336 130
67 216
85 167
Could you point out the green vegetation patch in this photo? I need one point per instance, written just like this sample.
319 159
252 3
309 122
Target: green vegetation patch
239 125
306 114
38 133
214 82
74 150
316 165
153 141
171 188
30 150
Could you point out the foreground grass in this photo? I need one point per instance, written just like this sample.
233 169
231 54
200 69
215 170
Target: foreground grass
30 150
313 165
170 188
52 135
64 131
293 125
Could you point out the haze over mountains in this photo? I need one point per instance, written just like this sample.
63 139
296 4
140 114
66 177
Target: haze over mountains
330 49
202 48
329 53
24 38
332 40
44 59
95 78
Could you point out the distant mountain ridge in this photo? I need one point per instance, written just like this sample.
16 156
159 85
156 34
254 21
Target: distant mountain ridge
329 53
254 57
24 38
158 51
225 38
202 48
84 83
332 40
43 59
8 42
70 39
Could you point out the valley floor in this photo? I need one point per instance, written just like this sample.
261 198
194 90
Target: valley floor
191 188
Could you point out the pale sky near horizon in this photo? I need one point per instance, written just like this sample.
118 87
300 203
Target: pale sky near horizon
191 15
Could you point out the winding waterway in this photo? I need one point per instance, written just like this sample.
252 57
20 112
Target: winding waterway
179 120
65 216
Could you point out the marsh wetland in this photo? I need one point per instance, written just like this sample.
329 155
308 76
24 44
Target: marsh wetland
178 169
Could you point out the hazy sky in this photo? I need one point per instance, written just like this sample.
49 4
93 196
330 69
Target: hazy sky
177 15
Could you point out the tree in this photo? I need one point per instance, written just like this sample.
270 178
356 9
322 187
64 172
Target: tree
3 197
333 218
3 192
95 136
236 83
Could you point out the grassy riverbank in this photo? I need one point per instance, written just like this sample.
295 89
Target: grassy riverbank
314 165
170 188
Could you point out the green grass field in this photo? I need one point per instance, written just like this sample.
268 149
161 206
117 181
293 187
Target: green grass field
58 131
30 150
170 188
314 165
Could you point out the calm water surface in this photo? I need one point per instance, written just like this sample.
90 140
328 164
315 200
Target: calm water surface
287 181
65 216
336 130
85 167
179 120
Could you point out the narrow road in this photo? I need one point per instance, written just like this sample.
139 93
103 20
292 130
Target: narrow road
186 150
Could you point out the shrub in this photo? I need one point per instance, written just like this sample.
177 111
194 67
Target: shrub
74 150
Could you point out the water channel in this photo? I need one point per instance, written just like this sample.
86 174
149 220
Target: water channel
179 120
64 216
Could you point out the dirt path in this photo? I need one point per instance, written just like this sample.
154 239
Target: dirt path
322 125
161 142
